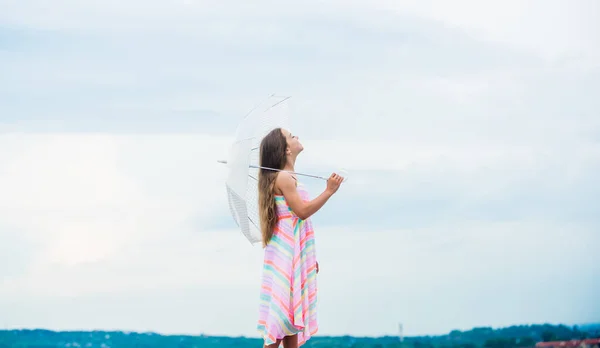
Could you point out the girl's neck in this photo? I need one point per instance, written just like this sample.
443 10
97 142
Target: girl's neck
289 165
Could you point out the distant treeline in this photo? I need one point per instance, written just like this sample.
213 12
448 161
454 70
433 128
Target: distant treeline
514 336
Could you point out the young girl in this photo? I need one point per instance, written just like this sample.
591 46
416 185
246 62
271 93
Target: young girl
288 296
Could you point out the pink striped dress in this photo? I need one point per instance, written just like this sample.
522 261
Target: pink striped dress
288 296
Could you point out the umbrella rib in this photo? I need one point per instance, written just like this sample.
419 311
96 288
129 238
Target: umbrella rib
255 107
279 102
253 223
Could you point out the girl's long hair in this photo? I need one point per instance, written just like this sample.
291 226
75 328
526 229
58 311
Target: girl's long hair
272 155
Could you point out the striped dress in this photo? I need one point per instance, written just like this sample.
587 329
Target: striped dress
288 296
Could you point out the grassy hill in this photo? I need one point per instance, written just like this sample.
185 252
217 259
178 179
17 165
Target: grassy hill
514 336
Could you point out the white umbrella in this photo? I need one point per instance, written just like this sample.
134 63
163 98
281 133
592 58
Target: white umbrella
243 163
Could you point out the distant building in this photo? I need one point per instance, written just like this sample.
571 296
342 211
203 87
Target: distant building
588 343
400 332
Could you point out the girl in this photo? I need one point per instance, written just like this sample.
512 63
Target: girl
288 297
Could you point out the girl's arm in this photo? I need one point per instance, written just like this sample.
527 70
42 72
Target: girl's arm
287 185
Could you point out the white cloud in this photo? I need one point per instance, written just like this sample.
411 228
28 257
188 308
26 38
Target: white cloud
408 75
218 18
404 274
89 198
395 275
553 29
84 197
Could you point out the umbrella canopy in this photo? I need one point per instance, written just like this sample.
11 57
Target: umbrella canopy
243 163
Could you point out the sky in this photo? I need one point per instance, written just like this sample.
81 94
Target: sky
470 132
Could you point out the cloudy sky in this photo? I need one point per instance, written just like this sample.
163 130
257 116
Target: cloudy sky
471 132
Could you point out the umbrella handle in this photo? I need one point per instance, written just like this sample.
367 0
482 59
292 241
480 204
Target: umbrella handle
343 172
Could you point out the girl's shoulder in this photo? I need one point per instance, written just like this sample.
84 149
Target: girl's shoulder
284 179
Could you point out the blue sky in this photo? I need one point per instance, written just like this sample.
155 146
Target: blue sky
470 131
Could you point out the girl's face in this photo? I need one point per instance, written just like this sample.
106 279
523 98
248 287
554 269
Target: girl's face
293 144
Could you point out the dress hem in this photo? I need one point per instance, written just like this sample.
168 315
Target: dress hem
268 340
